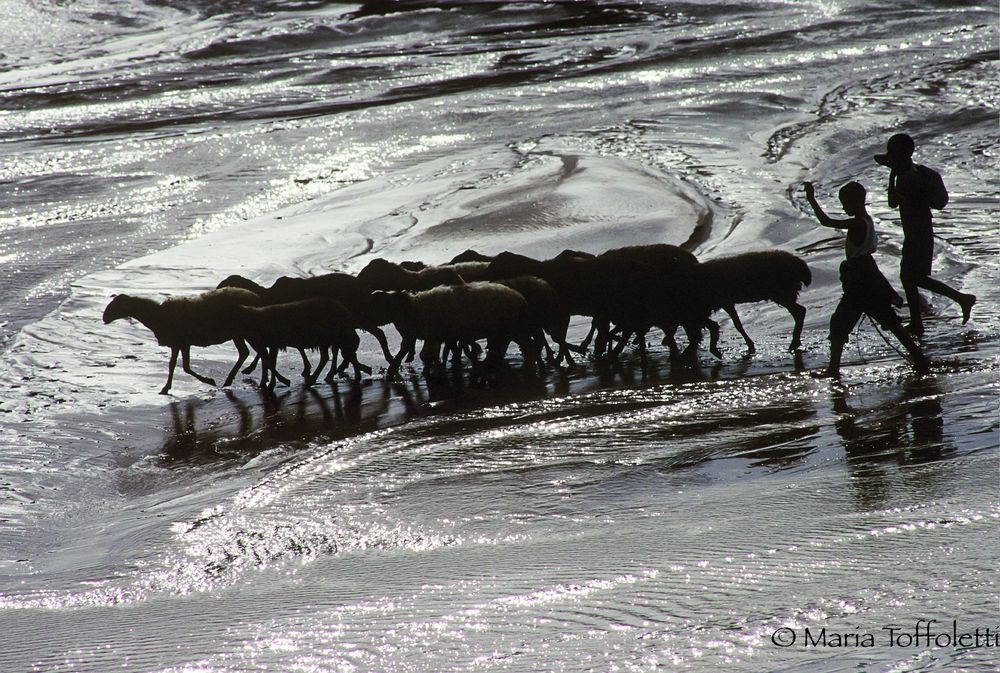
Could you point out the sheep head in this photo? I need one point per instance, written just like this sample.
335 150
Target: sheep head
380 274
119 307
241 282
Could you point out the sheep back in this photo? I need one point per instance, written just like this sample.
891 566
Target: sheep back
545 309
381 274
471 272
470 256
756 276
201 320
464 312
338 286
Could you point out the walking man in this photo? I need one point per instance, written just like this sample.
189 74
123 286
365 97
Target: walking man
915 189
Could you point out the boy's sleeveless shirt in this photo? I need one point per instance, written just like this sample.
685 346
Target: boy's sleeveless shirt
867 245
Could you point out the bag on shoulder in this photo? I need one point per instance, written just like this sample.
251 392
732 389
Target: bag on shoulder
934 189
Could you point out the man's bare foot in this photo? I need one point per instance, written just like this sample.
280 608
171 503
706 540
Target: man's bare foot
967 303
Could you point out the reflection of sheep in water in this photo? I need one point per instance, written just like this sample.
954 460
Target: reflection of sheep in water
458 314
182 322
771 275
322 324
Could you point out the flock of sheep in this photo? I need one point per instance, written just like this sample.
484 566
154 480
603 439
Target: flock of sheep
451 307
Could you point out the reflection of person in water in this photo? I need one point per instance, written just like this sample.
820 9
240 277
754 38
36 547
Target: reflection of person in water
866 291
907 429
915 189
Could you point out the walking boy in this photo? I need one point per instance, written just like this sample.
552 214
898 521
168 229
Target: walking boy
866 291
915 189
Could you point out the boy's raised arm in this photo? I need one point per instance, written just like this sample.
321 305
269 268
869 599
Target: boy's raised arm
823 218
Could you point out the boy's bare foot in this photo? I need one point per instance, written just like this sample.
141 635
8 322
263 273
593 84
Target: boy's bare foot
825 374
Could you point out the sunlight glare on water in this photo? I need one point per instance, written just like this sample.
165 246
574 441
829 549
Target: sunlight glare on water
597 517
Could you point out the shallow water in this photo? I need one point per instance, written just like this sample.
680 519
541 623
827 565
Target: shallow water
593 519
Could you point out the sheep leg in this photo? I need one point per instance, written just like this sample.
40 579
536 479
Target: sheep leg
271 355
306 367
243 351
324 357
690 354
170 371
352 358
253 365
669 329
272 367
563 355
382 341
186 366
265 367
408 344
582 348
334 369
713 332
272 364
262 356
731 310
453 349
531 352
603 327
799 315
550 355
281 379
618 349
429 352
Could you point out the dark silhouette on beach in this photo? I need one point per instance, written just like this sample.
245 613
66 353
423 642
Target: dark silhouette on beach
915 189
866 291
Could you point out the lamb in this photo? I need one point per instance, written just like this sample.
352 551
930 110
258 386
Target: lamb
323 324
341 287
771 275
546 313
182 322
623 289
381 274
462 314
677 294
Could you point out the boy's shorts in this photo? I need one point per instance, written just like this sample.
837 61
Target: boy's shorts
866 291
849 312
